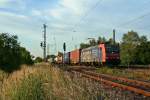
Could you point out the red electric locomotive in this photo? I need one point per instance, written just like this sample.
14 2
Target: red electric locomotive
100 55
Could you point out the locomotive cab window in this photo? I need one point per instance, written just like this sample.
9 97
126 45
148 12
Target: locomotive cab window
112 49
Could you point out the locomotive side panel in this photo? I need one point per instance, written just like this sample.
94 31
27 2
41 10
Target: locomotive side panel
102 56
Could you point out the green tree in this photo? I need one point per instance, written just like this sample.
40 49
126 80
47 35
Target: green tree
101 40
92 42
129 43
143 53
38 60
25 56
143 39
11 53
84 45
50 56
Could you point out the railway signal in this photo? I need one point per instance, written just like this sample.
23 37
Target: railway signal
41 44
64 46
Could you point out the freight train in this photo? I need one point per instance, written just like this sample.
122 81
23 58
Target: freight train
102 54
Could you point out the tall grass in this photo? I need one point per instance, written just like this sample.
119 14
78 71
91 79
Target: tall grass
44 82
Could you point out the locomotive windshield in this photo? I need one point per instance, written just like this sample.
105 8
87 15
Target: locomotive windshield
112 49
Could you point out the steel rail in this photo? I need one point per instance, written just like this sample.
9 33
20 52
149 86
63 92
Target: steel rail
114 84
134 82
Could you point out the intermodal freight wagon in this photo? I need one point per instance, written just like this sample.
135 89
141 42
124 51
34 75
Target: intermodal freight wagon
95 55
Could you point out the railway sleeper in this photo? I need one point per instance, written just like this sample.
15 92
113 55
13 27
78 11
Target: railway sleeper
144 85
124 86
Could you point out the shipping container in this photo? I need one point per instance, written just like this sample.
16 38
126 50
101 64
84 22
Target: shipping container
91 55
75 56
96 54
66 58
86 55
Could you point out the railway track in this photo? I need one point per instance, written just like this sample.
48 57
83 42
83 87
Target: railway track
133 66
138 87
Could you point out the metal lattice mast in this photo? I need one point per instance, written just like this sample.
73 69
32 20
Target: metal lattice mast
44 45
48 50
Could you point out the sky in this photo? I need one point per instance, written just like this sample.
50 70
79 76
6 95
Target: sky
71 21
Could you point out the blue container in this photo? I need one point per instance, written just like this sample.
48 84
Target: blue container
66 58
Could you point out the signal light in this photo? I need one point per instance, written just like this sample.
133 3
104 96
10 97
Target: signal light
41 44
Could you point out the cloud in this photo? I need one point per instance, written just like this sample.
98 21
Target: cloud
74 6
24 27
78 7
13 15
56 13
71 8
25 18
36 13
3 2
16 5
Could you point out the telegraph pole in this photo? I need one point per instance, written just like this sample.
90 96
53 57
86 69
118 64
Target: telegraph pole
44 45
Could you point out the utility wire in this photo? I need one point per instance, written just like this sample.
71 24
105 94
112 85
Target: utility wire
87 13
134 20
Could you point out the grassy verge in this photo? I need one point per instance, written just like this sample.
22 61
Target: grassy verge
44 82
140 74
